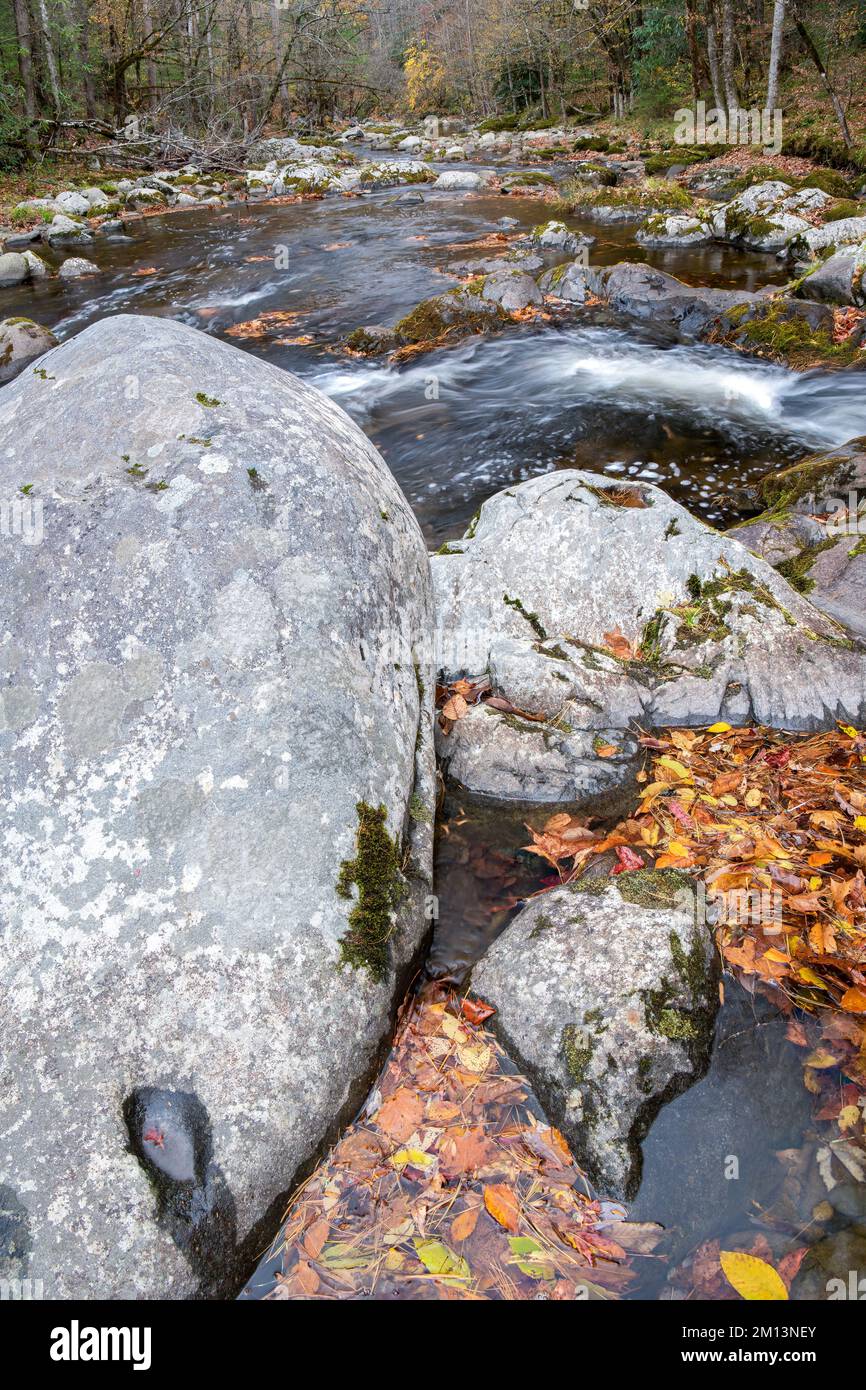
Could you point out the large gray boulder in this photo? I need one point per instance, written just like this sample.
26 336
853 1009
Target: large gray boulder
208 695
815 241
596 605
606 1000
568 281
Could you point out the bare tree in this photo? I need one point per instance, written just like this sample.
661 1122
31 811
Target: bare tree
775 55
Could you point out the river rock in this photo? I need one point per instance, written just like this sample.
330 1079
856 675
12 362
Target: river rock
96 199
20 341
674 229
650 296
839 279
458 180
823 482
568 281
512 289
74 267
553 566
63 228
208 693
72 204
555 236
37 269
14 269
811 243
606 1000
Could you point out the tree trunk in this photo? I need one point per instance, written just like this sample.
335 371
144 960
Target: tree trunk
25 56
732 101
83 8
809 45
713 55
50 60
775 56
694 51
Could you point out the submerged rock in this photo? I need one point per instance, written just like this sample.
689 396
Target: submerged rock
211 735
595 605
606 999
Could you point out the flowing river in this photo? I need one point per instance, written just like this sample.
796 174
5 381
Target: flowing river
459 424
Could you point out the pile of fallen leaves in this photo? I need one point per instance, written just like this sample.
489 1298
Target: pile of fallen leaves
775 825
450 1187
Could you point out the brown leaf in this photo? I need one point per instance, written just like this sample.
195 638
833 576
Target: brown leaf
463 1225
315 1238
619 644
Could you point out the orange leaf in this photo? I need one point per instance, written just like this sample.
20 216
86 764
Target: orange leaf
463 1225
854 1000
501 1201
619 644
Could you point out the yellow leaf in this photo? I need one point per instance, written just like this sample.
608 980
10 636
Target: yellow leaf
720 728
860 822
847 729
820 1059
752 1278
853 1001
753 798
439 1260
474 1057
848 1116
452 1027
678 769
416 1157
811 977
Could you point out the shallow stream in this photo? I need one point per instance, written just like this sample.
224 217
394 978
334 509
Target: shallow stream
456 426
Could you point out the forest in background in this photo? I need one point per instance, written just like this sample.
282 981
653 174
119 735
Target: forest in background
233 68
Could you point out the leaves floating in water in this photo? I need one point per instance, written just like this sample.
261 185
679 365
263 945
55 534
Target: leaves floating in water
450 1187
265 324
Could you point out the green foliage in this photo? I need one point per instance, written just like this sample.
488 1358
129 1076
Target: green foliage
15 133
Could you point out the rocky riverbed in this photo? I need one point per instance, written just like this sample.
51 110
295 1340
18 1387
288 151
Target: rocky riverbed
628 406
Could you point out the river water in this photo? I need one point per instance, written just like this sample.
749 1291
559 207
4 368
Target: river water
456 426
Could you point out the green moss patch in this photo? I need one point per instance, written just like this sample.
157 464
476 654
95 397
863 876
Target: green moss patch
375 873
532 618
661 889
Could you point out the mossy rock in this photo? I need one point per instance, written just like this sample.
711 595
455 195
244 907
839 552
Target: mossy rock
781 330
